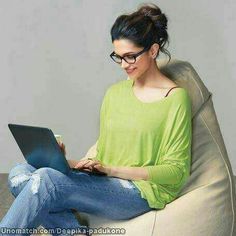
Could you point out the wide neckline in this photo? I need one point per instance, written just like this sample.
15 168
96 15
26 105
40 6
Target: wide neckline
131 82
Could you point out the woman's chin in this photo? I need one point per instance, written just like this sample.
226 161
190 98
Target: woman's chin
132 76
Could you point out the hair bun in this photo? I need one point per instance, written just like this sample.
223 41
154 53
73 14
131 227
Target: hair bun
154 13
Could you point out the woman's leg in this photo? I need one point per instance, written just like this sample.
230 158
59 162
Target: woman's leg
19 177
108 197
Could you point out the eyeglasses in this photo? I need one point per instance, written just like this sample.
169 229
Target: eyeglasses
131 59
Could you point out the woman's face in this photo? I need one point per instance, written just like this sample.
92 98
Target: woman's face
123 47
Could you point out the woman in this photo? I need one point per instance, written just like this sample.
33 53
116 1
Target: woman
144 145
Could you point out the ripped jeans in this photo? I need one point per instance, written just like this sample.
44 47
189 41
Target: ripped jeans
48 197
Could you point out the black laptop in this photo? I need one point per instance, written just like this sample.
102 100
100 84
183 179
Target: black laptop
40 148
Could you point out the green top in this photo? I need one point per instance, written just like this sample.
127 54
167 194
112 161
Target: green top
155 135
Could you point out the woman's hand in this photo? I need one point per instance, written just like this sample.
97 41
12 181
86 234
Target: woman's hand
62 147
91 165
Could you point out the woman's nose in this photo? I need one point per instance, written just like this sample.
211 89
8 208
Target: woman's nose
124 64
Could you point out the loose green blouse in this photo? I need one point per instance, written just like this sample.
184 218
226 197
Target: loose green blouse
154 135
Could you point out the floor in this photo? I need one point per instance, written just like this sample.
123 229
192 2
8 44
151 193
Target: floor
6 198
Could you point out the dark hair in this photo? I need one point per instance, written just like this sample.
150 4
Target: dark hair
144 27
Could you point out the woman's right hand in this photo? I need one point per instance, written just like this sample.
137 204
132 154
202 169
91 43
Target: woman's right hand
87 164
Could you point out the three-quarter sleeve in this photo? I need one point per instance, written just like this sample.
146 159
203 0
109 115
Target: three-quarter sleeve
174 165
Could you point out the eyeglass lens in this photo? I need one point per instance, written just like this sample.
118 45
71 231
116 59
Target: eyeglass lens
128 59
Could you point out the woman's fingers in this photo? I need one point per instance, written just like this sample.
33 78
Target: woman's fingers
86 169
91 163
62 147
86 164
81 164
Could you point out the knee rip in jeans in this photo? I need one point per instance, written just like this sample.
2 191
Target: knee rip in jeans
16 180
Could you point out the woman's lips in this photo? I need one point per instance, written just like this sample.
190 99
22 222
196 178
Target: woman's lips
130 71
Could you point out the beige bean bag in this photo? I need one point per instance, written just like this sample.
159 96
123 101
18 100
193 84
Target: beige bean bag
206 205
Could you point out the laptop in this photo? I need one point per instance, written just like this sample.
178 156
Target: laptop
40 148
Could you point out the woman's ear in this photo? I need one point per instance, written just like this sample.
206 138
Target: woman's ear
154 50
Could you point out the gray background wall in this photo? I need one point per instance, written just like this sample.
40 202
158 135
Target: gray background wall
55 65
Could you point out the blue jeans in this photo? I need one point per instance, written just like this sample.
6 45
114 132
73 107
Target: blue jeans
47 197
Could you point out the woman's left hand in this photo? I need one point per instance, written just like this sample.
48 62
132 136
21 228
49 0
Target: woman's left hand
62 147
99 167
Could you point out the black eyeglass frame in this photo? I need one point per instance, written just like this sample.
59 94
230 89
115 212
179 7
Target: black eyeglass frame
133 55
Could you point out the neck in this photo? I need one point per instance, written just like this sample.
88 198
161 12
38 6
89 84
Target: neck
151 78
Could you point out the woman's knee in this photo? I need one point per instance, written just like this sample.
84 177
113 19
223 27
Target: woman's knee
45 177
19 174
